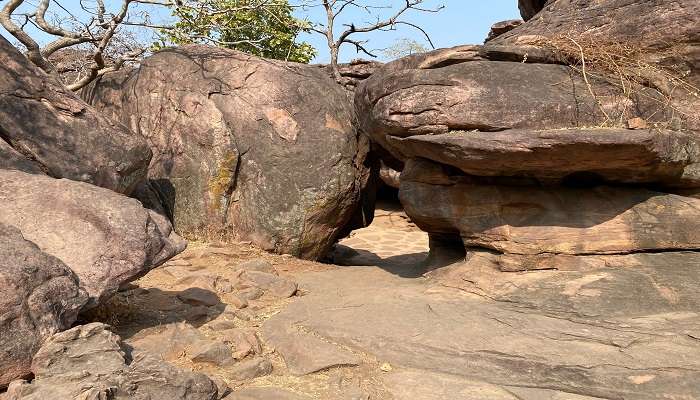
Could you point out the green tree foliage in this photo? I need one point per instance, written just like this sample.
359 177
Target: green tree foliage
264 28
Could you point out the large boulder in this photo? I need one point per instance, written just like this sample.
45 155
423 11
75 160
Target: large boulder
90 362
262 149
40 297
107 239
459 90
46 128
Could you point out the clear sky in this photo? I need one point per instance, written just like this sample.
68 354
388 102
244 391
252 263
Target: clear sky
460 22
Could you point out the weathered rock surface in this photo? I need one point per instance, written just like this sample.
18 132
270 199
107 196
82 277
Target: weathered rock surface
579 333
440 92
231 132
265 393
57 133
557 220
40 296
502 27
304 353
106 238
550 156
90 362
660 33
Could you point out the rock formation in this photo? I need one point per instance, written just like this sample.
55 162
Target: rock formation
46 128
40 297
262 149
520 153
105 238
90 362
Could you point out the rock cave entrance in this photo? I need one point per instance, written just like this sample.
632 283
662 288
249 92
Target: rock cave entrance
391 241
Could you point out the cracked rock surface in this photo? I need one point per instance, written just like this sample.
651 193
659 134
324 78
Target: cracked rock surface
105 238
45 128
261 148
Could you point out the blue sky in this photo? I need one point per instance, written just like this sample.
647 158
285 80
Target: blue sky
460 22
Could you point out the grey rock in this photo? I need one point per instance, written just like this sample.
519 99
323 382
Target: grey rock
106 238
40 297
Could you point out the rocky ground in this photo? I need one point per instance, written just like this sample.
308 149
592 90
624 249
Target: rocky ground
275 327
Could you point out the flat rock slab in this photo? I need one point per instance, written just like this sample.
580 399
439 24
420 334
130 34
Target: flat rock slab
265 393
550 156
469 341
423 385
304 353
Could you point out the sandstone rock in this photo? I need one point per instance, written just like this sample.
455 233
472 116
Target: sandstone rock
260 265
552 220
502 27
662 34
105 238
237 301
227 142
56 133
273 284
265 393
662 31
251 293
244 341
12 159
390 176
199 297
550 156
89 362
249 369
569 334
215 353
414 97
302 352
40 297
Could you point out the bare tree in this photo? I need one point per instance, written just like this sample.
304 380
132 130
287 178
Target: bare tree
335 8
98 40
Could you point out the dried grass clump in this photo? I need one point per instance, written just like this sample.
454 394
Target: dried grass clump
629 68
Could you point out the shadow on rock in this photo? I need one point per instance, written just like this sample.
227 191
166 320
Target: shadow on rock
136 309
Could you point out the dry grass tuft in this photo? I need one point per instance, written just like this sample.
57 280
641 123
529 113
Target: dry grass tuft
629 69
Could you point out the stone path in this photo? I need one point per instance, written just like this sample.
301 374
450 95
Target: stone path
469 331
391 241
